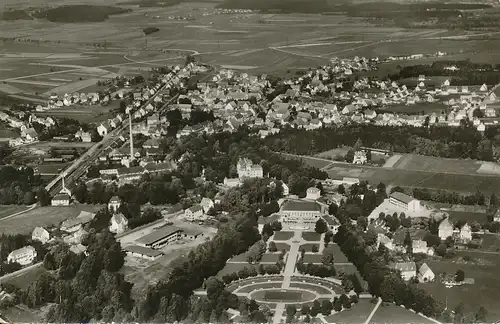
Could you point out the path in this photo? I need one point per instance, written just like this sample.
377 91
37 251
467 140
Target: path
291 259
373 311
31 207
278 313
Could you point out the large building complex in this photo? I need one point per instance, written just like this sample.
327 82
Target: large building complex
300 212
404 201
246 169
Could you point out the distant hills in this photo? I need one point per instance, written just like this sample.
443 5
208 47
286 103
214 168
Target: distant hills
66 14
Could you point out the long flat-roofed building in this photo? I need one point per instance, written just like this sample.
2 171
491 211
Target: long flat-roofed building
404 201
142 252
160 237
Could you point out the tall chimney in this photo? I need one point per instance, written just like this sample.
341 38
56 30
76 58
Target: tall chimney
131 137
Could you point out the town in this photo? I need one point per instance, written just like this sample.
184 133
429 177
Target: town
353 191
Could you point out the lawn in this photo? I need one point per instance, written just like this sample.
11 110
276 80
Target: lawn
396 314
282 236
282 246
318 289
491 242
21 315
311 236
6 210
239 258
270 258
484 268
265 285
42 216
308 247
26 278
435 164
357 314
289 296
338 255
312 258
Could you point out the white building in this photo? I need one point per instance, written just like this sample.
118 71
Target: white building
300 212
313 193
359 157
408 269
445 229
246 169
425 274
102 130
40 234
466 233
194 213
118 224
206 204
61 200
404 201
420 246
286 190
23 256
114 204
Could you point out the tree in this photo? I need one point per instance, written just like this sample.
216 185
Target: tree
347 284
29 198
305 309
314 248
481 315
459 275
341 189
272 247
332 209
290 312
326 307
315 309
321 226
43 197
493 199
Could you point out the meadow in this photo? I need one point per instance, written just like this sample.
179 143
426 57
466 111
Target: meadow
41 216
6 210
415 162
391 313
357 314
484 269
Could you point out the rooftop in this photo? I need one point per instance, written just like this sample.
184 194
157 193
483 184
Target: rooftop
297 205
401 197
158 235
142 250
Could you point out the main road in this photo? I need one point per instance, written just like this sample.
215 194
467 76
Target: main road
80 165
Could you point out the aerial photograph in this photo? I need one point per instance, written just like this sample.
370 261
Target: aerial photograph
250 161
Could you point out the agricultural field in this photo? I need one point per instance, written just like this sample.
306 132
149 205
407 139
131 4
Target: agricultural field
483 268
41 216
94 114
481 218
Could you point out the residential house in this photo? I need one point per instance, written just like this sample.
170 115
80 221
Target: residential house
465 233
74 224
114 203
246 169
102 130
385 241
23 256
445 229
194 213
420 246
31 135
425 274
61 199
118 224
206 204
359 157
40 234
408 270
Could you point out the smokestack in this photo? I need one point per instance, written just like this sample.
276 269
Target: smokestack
131 137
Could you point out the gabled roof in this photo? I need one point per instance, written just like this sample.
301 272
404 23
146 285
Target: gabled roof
424 268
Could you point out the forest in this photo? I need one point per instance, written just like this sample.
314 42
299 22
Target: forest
449 142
